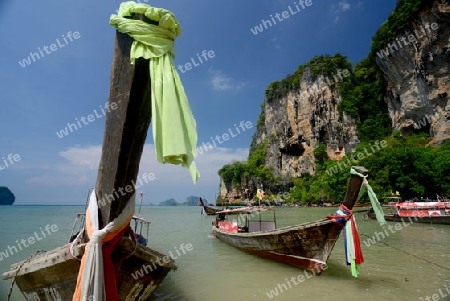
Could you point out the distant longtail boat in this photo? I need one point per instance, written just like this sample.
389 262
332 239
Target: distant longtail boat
208 210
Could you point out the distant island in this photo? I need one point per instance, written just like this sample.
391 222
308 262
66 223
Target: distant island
6 196
190 201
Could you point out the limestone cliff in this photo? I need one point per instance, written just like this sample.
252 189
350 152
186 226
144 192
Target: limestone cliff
295 119
416 66
300 113
296 123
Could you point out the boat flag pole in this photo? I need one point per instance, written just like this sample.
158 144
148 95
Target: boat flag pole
141 195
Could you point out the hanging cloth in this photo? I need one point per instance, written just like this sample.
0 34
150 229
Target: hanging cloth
97 276
344 217
174 127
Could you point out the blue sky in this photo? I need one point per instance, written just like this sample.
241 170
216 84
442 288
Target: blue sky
40 99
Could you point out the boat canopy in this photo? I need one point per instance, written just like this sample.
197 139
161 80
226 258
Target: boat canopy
245 210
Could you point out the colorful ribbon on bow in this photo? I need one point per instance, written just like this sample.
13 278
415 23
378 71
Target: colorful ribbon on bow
353 254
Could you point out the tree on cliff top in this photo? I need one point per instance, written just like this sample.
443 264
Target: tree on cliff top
319 65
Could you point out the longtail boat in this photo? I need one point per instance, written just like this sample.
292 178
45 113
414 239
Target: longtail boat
437 212
208 210
100 260
53 275
307 246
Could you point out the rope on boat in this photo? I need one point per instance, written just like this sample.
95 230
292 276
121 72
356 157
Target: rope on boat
426 260
18 270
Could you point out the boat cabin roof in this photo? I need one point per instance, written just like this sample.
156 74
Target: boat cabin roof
245 210
140 218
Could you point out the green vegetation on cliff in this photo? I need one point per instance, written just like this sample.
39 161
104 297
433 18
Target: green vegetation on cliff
398 21
362 94
363 99
324 64
406 165
254 167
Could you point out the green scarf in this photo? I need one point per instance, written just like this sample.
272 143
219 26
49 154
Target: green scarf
174 127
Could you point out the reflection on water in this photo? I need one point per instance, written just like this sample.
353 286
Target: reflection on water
215 271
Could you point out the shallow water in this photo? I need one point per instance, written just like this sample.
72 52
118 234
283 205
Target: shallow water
397 267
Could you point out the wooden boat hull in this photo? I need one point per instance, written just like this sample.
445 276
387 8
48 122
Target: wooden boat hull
306 246
414 219
210 211
53 274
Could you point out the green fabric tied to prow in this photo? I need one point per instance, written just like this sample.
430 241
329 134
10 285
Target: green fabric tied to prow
174 127
372 196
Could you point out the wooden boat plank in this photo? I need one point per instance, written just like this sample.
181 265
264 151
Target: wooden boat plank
60 254
44 260
42 274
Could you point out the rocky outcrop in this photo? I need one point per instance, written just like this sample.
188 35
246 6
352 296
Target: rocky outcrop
416 66
300 113
6 196
291 126
231 192
296 123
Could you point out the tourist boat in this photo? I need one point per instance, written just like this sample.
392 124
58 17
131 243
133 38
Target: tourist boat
208 210
53 275
306 246
434 212
107 247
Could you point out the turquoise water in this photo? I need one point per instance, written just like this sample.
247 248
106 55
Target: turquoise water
216 271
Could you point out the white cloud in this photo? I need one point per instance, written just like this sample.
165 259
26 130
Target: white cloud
80 168
79 171
222 82
276 42
343 7
87 157
340 8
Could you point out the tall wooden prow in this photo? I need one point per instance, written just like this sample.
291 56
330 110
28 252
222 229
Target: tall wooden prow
128 118
354 186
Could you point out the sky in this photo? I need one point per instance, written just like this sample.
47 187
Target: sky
39 99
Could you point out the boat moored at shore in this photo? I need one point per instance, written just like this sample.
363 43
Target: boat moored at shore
434 212
306 246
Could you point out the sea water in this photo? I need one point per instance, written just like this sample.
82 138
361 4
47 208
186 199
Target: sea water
407 262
